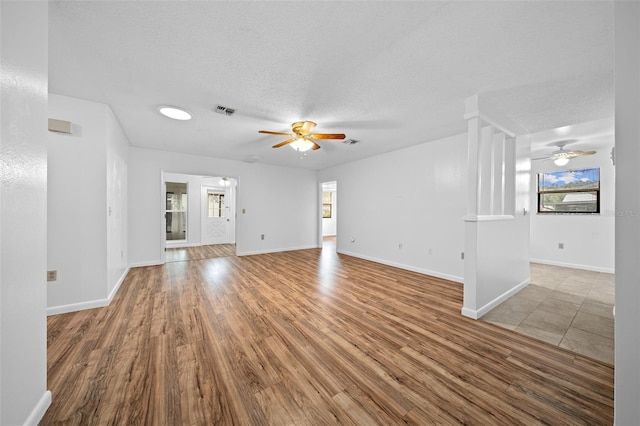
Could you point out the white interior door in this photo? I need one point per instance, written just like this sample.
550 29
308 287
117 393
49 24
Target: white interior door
216 216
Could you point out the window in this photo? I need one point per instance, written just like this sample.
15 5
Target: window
215 204
176 211
573 191
326 205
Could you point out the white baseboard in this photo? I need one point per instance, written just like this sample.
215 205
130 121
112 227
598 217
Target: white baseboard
118 284
406 267
38 411
74 307
90 304
574 266
251 253
475 314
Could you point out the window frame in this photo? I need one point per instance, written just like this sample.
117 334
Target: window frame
541 193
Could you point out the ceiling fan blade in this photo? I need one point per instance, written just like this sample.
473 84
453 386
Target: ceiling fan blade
327 136
287 142
315 145
542 158
274 133
580 153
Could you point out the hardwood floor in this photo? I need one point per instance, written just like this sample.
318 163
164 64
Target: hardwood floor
200 252
307 338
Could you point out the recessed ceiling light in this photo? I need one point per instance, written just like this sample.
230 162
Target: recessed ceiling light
174 112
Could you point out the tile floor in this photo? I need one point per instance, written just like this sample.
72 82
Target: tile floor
570 308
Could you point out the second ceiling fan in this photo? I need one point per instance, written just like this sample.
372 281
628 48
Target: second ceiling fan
302 139
562 156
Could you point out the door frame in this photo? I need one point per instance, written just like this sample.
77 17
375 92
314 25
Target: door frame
234 190
229 206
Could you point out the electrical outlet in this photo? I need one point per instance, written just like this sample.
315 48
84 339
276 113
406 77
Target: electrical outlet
262 237
461 255
400 246
561 246
52 275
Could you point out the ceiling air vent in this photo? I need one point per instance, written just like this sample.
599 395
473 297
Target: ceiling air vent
350 141
224 110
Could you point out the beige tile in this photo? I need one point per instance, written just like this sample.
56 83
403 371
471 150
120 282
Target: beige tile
601 297
604 287
538 333
568 297
520 303
505 317
551 304
594 324
549 282
574 288
589 344
592 307
570 308
534 292
554 322
607 278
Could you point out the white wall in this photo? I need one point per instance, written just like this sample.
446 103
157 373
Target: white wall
279 202
23 212
589 239
497 244
117 159
414 197
627 266
87 205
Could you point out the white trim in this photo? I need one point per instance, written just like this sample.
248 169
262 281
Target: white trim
487 218
405 267
180 244
38 411
118 284
74 307
475 314
91 304
488 120
251 253
574 266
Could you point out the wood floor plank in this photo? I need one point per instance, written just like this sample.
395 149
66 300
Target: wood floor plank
306 337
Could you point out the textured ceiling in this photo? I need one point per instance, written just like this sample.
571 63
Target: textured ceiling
389 74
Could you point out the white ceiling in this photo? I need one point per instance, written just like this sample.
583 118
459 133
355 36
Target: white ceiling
389 74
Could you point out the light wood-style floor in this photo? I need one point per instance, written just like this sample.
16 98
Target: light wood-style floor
307 338
200 252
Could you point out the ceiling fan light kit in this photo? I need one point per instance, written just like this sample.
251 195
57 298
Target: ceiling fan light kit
562 156
301 144
302 139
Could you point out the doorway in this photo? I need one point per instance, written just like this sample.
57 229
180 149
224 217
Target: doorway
202 211
329 214
176 194
218 215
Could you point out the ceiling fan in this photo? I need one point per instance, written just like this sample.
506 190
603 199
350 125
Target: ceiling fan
302 139
562 156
